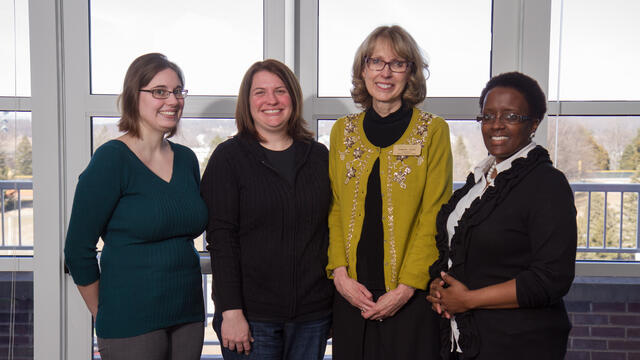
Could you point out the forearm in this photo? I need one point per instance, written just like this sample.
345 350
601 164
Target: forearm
89 294
498 296
227 275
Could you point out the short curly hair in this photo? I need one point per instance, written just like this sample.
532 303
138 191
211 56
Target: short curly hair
404 46
140 73
527 86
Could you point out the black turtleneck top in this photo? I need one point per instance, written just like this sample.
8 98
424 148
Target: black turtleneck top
381 132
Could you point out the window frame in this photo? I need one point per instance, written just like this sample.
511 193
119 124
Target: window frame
62 106
62 126
17 104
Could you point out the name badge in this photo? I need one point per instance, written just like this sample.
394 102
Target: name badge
407 150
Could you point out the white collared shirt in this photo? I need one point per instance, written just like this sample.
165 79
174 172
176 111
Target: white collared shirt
475 192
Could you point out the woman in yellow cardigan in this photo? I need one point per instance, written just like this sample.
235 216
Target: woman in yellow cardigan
390 170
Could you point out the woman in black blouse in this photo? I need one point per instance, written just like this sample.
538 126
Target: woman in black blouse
268 193
507 239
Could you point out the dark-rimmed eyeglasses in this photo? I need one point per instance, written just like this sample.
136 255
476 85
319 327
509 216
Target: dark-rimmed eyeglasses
396 66
160 93
508 118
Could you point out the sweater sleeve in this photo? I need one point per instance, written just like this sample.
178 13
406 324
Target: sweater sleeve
421 249
219 189
337 255
553 236
97 194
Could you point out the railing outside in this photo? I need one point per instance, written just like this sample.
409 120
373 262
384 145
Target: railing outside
614 207
12 203
608 219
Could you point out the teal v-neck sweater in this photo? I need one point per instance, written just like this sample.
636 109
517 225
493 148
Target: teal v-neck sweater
149 269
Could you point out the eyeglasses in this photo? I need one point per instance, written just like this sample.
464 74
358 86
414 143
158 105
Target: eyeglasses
509 118
396 66
160 93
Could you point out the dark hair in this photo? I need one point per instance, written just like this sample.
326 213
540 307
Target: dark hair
140 73
527 86
296 125
404 46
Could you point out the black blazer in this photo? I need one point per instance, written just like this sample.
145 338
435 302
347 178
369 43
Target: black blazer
523 228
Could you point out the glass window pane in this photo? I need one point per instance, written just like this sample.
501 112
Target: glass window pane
17 310
467 147
15 75
466 144
455 36
595 149
16 184
594 50
324 131
213 42
201 135
601 155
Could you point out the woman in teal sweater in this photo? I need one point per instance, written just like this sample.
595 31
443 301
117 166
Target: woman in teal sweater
140 193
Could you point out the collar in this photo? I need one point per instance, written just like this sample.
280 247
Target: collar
484 165
402 112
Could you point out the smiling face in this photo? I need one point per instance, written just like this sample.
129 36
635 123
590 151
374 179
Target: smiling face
270 103
385 86
502 139
160 115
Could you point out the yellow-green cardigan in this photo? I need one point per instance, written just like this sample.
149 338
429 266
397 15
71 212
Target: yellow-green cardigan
414 187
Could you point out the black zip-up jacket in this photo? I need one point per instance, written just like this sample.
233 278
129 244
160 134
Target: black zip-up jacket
268 239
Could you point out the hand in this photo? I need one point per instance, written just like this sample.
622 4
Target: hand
455 298
236 335
389 303
354 292
435 297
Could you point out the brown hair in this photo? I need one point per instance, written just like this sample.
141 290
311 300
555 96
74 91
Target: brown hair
140 73
296 125
404 46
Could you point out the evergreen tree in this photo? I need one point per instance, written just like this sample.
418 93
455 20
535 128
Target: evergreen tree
596 229
631 155
4 166
23 157
629 220
600 154
579 152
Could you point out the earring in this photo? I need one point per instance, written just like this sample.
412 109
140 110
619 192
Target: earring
532 135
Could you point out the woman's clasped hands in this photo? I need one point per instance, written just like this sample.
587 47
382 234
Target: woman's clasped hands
358 295
448 296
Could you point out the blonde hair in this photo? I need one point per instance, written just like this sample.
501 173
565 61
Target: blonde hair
404 46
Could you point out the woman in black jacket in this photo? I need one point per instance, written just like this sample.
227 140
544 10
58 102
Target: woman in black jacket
268 194
507 239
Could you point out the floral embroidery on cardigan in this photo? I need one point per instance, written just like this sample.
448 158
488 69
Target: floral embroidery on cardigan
418 137
397 172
